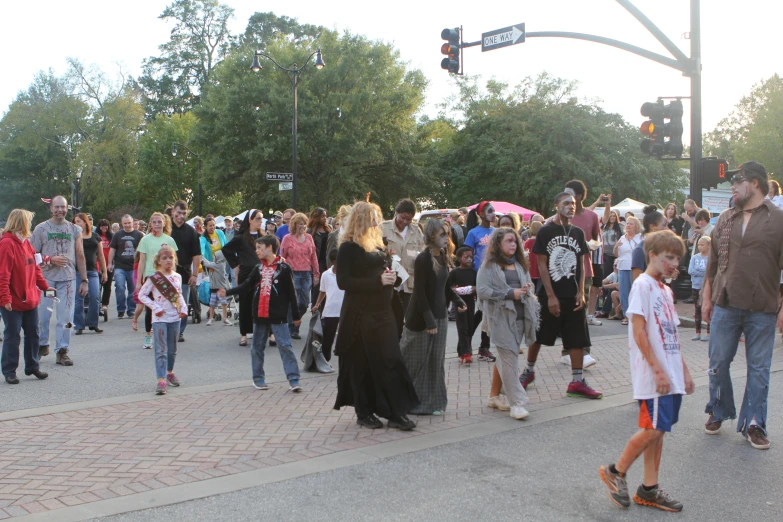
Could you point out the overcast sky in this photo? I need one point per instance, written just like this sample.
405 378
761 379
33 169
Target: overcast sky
740 42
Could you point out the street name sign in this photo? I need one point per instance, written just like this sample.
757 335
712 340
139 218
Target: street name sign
279 176
286 185
502 37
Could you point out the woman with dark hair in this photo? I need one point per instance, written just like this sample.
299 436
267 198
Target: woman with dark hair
653 221
482 217
510 220
94 260
504 285
611 233
318 227
423 344
105 234
372 377
673 221
240 253
211 240
270 228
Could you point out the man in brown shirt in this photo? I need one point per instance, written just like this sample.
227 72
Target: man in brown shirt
740 295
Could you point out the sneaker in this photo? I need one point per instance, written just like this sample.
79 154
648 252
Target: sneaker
148 342
705 338
712 426
295 336
161 389
402 423
657 498
591 320
181 338
485 355
582 390
370 421
566 359
527 378
63 359
259 384
295 387
497 403
43 351
172 379
209 322
618 487
519 413
757 438
696 337
588 361
226 322
465 359
120 315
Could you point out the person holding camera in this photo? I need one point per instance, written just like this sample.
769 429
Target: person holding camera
20 282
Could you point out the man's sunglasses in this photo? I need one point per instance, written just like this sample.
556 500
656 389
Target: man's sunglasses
737 178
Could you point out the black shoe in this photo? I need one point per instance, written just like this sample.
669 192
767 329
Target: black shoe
181 338
370 421
43 351
38 373
11 379
78 331
96 329
120 315
272 342
402 423
296 336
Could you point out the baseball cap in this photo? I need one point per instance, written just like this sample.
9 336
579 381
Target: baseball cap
278 214
751 169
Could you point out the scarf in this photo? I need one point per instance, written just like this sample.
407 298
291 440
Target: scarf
725 236
265 286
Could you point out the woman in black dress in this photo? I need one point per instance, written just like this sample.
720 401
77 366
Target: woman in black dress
675 222
240 253
373 378
318 227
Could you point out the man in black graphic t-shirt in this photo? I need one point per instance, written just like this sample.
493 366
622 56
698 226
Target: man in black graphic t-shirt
560 248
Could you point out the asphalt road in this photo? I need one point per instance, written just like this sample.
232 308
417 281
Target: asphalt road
113 364
544 472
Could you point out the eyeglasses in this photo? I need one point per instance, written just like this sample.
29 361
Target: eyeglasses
736 179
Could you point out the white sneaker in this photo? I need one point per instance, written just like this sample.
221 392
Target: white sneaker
593 321
498 404
519 413
588 361
209 323
696 337
226 322
566 359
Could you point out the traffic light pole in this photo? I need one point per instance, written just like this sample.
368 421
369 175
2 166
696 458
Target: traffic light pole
696 151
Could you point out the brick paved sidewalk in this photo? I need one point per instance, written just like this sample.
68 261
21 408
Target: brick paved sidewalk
66 459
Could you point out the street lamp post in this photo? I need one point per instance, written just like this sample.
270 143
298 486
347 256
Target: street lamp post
294 71
174 153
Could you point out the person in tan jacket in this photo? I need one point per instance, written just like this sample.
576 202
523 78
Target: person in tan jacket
405 240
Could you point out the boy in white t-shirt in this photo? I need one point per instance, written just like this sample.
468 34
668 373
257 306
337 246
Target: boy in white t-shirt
330 317
658 372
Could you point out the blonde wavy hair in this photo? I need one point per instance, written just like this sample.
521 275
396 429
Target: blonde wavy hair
18 222
342 213
362 226
166 222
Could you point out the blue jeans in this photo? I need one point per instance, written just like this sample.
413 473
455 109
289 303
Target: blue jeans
728 323
303 281
66 293
625 279
15 322
123 279
165 339
94 306
183 323
260 335
230 275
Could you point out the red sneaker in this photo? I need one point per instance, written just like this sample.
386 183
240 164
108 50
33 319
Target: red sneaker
527 378
582 390
465 359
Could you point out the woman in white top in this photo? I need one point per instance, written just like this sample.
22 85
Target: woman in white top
623 250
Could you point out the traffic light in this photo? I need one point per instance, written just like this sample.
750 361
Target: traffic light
452 49
658 130
713 172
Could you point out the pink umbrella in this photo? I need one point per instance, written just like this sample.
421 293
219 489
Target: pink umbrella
503 207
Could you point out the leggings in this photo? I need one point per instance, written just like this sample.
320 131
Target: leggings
697 312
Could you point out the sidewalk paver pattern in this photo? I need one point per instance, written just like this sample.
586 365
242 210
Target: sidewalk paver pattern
66 459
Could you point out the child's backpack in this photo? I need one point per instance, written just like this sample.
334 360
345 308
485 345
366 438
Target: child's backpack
203 292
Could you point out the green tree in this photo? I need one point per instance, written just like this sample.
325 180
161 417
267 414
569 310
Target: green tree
267 27
176 80
523 144
357 127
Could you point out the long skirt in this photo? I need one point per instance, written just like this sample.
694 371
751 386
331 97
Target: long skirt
424 356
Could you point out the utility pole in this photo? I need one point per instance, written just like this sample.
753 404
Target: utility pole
696 152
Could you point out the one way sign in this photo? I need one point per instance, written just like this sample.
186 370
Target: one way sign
503 37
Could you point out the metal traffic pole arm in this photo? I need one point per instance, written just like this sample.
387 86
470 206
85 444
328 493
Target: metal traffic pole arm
293 69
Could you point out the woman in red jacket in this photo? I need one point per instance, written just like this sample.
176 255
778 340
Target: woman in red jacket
21 283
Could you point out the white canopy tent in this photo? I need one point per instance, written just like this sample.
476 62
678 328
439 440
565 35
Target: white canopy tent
626 205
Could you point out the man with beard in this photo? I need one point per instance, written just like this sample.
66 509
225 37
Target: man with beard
62 251
740 295
560 248
188 255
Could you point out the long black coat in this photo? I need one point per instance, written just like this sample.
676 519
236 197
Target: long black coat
373 377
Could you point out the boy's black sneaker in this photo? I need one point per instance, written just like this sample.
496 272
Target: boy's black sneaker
618 487
485 355
370 421
657 498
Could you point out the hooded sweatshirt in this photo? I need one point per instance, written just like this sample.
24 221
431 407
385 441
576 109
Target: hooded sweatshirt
217 272
20 277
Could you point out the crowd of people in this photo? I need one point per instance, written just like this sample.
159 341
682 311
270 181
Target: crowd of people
384 291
